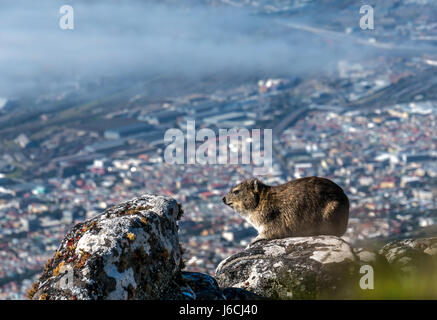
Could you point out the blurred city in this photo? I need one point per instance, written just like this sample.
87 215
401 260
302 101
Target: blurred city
366 121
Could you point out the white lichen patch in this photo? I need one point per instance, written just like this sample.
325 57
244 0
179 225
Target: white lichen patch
66 281
163 206
258 274
106 239
332 250
91 243
325 249
122 280
309 241
274 250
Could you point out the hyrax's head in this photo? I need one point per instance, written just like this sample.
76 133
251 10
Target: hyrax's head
244 197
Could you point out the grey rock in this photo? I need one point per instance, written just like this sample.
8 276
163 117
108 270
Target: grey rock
411 256
371 257
204 286
179 290
130 251
293 268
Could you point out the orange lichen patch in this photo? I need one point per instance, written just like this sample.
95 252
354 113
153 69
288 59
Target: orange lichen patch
84 229
57 270
31 292
43 296
85 256
88 227
131 212
144 220
48 265
136 210
131 236
57 254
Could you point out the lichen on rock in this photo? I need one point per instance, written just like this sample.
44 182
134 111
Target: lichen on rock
130 251
293 268
411 256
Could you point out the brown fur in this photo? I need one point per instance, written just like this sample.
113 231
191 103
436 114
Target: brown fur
303 207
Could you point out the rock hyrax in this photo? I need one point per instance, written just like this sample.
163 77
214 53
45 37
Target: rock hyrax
303 207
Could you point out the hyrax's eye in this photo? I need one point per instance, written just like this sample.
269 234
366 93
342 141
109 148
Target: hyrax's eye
236 192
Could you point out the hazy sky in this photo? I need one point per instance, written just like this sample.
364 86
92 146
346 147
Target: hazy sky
117 38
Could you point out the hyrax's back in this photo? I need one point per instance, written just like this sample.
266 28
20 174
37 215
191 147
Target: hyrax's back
310 206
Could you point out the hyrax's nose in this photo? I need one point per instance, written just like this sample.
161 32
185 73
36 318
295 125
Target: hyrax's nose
224 200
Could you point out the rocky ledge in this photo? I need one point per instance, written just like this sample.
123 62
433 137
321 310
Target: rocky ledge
308 268
132 251
327 267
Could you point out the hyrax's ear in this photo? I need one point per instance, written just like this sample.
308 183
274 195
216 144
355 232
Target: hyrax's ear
256 185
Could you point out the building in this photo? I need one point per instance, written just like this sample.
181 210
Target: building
124 131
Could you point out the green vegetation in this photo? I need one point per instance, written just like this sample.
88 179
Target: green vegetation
389 285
